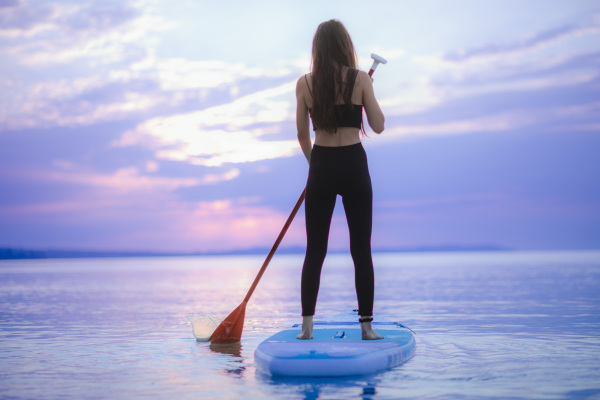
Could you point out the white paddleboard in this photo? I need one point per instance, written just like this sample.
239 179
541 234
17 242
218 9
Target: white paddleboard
336 350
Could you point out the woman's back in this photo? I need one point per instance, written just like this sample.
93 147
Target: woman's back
361 88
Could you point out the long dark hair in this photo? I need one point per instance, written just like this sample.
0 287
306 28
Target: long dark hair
332 49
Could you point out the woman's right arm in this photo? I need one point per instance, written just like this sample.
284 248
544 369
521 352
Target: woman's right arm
374 114
302 123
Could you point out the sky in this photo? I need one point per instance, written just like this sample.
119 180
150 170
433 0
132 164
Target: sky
170 126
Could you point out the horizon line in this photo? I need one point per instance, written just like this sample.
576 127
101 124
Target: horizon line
12 253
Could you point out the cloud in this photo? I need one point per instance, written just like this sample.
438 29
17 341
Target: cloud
491 123
82 38
8 3
229 133
435 80
59 33
47 207
503 121
108 67
18 19
129 179
535 41
160 87
72 102
101 19
180 74
516 74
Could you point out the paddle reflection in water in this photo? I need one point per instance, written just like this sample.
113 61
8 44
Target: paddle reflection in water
234 349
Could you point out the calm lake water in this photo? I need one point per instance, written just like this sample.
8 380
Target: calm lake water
488 325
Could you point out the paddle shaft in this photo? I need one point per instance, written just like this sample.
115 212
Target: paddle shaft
276 245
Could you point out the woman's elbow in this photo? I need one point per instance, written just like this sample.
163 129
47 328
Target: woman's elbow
378 128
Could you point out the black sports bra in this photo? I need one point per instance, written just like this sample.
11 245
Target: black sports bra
343 115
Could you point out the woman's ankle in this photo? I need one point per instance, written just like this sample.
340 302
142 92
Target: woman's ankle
367 330
307 327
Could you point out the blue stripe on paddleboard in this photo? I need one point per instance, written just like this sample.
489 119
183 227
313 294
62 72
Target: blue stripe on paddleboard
378 323
341 335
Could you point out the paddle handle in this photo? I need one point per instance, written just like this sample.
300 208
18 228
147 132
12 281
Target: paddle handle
276 245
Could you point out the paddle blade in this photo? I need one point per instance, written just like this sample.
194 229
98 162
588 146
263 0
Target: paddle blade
230 330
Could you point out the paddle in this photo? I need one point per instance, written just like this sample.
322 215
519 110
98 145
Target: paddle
230 330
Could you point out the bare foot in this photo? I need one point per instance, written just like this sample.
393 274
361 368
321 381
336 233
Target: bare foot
307 328
368 333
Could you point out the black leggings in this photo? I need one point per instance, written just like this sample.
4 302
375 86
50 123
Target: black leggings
344 171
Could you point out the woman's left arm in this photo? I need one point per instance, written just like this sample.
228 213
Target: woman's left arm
375 117
302 122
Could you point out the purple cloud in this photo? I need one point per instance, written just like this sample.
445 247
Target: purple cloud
80 19
534 41
9 3
549 73
19 16
102 19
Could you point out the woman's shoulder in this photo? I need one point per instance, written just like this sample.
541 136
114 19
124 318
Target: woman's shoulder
362 75
303 82
363 80
305 77
302 86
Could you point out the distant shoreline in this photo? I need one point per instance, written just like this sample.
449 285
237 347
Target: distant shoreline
8 253
29 254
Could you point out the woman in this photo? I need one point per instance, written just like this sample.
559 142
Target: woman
334 95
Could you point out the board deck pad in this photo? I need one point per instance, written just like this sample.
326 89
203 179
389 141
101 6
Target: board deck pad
337 348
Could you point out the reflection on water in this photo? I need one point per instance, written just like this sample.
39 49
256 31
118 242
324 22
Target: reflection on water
231 349
234 349
322 387
489 325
